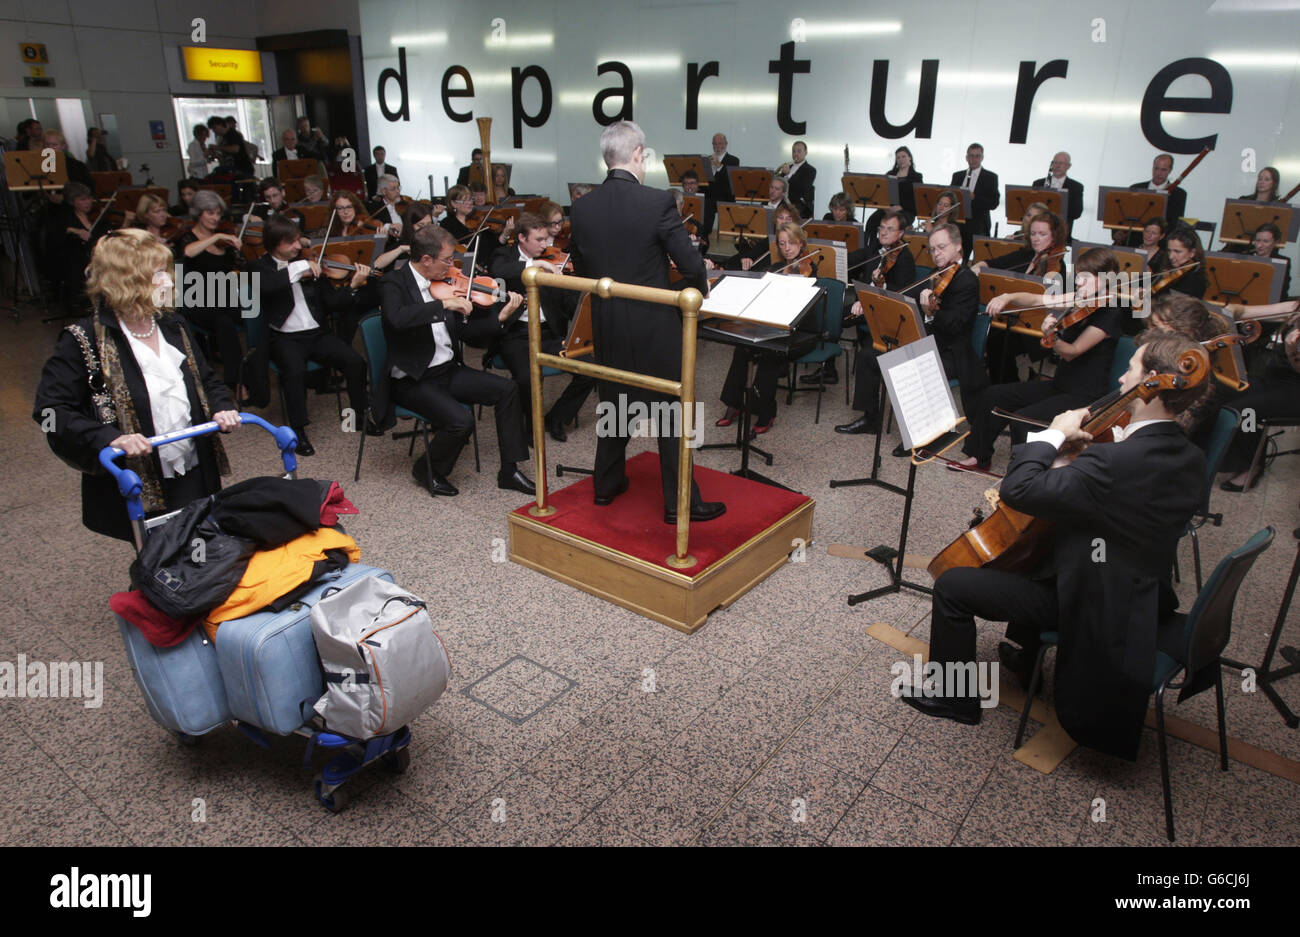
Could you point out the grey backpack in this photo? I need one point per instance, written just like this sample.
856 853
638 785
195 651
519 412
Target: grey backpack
383 663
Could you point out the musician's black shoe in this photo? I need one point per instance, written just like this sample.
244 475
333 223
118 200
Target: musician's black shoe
1016 662
606 500
822 375
965 711
438 486
556 429
900 452
704 511
863 424
304 446
373 428
516 481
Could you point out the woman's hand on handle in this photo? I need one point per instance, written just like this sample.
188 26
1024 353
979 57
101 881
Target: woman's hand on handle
133 444
226 420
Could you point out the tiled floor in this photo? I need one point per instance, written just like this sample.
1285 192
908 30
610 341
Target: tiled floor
771 725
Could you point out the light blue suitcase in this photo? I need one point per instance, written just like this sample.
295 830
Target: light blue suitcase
182 685
269 663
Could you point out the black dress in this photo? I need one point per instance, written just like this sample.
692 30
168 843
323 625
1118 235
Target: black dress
216 321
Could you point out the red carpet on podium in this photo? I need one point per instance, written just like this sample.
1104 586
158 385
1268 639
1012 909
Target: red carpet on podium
634 523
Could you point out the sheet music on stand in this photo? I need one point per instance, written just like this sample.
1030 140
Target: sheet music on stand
772 299
919 392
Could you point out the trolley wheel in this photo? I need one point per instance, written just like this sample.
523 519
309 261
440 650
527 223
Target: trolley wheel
189 741
397 762
334 801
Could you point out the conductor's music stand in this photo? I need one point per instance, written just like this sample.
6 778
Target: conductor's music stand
1239 278
1020 197
1124 209
870 190
676 165
1242 217
850 235
750 183
928 195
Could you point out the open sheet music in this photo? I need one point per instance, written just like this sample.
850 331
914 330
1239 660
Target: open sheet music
919 392
772 299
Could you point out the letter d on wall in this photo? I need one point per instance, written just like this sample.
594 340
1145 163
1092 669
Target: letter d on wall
404 111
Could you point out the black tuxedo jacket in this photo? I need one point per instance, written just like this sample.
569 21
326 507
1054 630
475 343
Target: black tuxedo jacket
277 294
407 321
901 274
951 328
986 197
1074 196
556 304
1175 205
800 188
627 231
372 178
720 185
1134 499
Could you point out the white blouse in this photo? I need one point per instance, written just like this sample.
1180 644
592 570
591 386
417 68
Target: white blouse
169 402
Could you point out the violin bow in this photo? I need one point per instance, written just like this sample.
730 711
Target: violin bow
797 260
927 279
473 234
320 258
881 256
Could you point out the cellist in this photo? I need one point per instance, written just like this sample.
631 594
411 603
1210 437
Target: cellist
1133 497
1085 349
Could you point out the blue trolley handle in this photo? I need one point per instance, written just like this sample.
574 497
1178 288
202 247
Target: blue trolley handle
130 486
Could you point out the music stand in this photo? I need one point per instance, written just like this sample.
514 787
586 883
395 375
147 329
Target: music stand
850 235
1020 197
996 282
750 183
1131 259
287 169
222 189
1242 217
987 248
927 195
677 164
1241 278
579 341
831 261
693 206
1265 676
743 221
106 183
870 190
24 171
919 247
1228 363
360 250
129 199
315 215
1125 209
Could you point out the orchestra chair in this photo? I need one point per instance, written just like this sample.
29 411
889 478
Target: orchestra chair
1280 423
256 333
828 325
376 345
1190 643
1225 424
1124 348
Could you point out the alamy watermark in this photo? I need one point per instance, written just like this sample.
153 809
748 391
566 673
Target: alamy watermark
660 418
58 679
213 290
953 680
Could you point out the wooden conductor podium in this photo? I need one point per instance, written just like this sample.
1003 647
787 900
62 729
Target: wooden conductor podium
1242 217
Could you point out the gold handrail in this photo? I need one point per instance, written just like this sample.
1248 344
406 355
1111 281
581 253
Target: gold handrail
688 301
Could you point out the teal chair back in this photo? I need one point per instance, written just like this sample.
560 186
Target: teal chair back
979 335
376 345
1209 623
1124 349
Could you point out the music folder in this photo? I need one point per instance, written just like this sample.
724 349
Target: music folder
754 307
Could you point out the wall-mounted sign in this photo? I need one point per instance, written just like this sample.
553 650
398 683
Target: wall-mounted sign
157 130
31 82
204 64
221 87
33 53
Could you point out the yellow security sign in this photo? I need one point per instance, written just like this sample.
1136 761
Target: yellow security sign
33 53
204 64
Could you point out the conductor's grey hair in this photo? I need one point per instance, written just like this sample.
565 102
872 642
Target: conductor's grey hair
619 141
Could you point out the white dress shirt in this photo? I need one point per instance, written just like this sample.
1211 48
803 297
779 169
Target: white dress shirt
441 336
290 154
169 401
198 160
523 316
300 318
1055 183
1120 433
972 176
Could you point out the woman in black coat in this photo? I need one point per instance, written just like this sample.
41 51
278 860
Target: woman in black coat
127 373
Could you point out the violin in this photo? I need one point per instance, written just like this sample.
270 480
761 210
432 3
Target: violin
1170 277
483 291
340 267
1051 333
1038 266
562 239
940 285
882 269
560 258
1011 540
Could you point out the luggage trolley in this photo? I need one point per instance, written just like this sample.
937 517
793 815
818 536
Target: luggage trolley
183 685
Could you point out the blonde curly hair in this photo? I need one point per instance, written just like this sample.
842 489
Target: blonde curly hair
122 270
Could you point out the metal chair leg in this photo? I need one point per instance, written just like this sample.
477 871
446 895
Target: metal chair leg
1196 559
1034 680
1164 762
361 448
428 461
821 389
1223 728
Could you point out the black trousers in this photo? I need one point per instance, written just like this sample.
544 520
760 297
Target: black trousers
1029 607
1001 350
292 350
223 326
1277 395
866 380
1038 400
611 448
440 395
514 351
766 375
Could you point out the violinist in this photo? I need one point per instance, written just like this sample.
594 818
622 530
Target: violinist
460 202
478 191
389 206
1085 349
556 226
1182 267
297 308
840 209
429 375
212 252
776 193
694 224
501 182
754 251
376 171
1043 254
893 270
691 224
1264 244
1153 237
185 190
949 306
314 189
944 208
272 192
1134 496
799 178
1274 393
558 307
350 218
74 222
151 215
791 243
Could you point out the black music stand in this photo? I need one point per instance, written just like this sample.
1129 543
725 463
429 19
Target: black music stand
1264 677
25 172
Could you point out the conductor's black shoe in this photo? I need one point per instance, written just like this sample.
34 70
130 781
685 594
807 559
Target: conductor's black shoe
822 375
900 451
556 429
516 481
863 424
1015 662
606 500
967 712
704 511
304 446
438 486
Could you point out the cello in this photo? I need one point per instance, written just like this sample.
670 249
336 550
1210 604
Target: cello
1013 541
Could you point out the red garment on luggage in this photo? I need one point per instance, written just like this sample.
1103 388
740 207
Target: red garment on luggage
159 629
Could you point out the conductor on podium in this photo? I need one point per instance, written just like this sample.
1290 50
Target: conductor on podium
627 231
